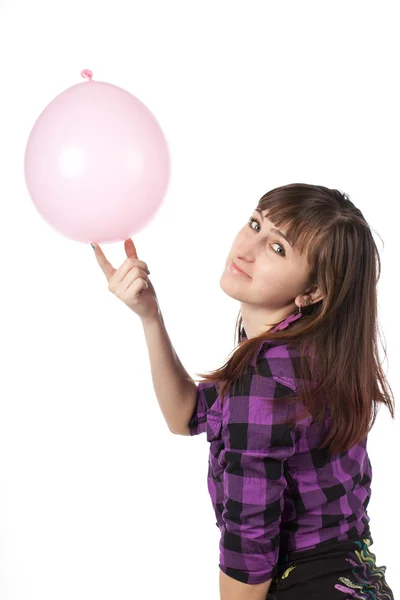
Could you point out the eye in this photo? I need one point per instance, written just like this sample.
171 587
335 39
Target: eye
283 253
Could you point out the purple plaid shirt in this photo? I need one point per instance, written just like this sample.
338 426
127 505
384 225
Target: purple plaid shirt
272 490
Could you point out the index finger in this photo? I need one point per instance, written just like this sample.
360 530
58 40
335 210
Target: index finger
105 264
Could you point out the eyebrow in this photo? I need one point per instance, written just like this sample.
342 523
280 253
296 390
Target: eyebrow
275 230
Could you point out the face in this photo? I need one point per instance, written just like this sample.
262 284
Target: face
277 276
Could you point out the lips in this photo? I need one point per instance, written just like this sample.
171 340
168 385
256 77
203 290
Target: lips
239 269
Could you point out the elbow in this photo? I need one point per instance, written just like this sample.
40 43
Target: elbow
184 431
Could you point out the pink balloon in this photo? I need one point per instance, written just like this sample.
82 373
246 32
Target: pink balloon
97 164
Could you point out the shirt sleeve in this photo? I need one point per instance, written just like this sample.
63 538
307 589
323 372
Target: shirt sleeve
206 397
256 447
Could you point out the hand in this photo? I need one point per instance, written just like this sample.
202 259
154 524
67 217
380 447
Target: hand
130 282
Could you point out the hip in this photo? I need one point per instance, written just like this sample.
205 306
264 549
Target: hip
334 571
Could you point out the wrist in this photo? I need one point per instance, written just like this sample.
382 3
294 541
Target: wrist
150 321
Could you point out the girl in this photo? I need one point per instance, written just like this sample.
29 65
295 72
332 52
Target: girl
288 415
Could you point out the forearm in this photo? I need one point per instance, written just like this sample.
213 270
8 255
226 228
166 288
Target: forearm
232 589
175 389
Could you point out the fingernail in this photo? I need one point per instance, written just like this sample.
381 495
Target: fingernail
148 272
93 247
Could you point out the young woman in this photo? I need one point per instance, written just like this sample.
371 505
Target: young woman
288 415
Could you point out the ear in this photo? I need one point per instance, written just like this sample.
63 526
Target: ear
315 293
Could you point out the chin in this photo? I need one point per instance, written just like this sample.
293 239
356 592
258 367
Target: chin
236 295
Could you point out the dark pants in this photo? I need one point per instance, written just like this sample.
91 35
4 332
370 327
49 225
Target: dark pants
336 571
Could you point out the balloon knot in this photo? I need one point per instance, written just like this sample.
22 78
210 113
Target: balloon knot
87 74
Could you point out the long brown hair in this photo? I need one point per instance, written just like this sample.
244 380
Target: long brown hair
340 330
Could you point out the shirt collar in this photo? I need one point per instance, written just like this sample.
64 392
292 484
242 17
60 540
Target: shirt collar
282 325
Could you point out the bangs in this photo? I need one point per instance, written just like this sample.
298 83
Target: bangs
304 229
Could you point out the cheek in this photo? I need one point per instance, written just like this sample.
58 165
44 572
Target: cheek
273 277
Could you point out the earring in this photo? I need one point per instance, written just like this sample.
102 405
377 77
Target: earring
308 300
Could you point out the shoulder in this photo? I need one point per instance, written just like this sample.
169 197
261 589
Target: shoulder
257 397
279 363
254 414
207 391
268 390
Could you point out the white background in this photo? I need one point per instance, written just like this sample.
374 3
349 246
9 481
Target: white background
97 498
